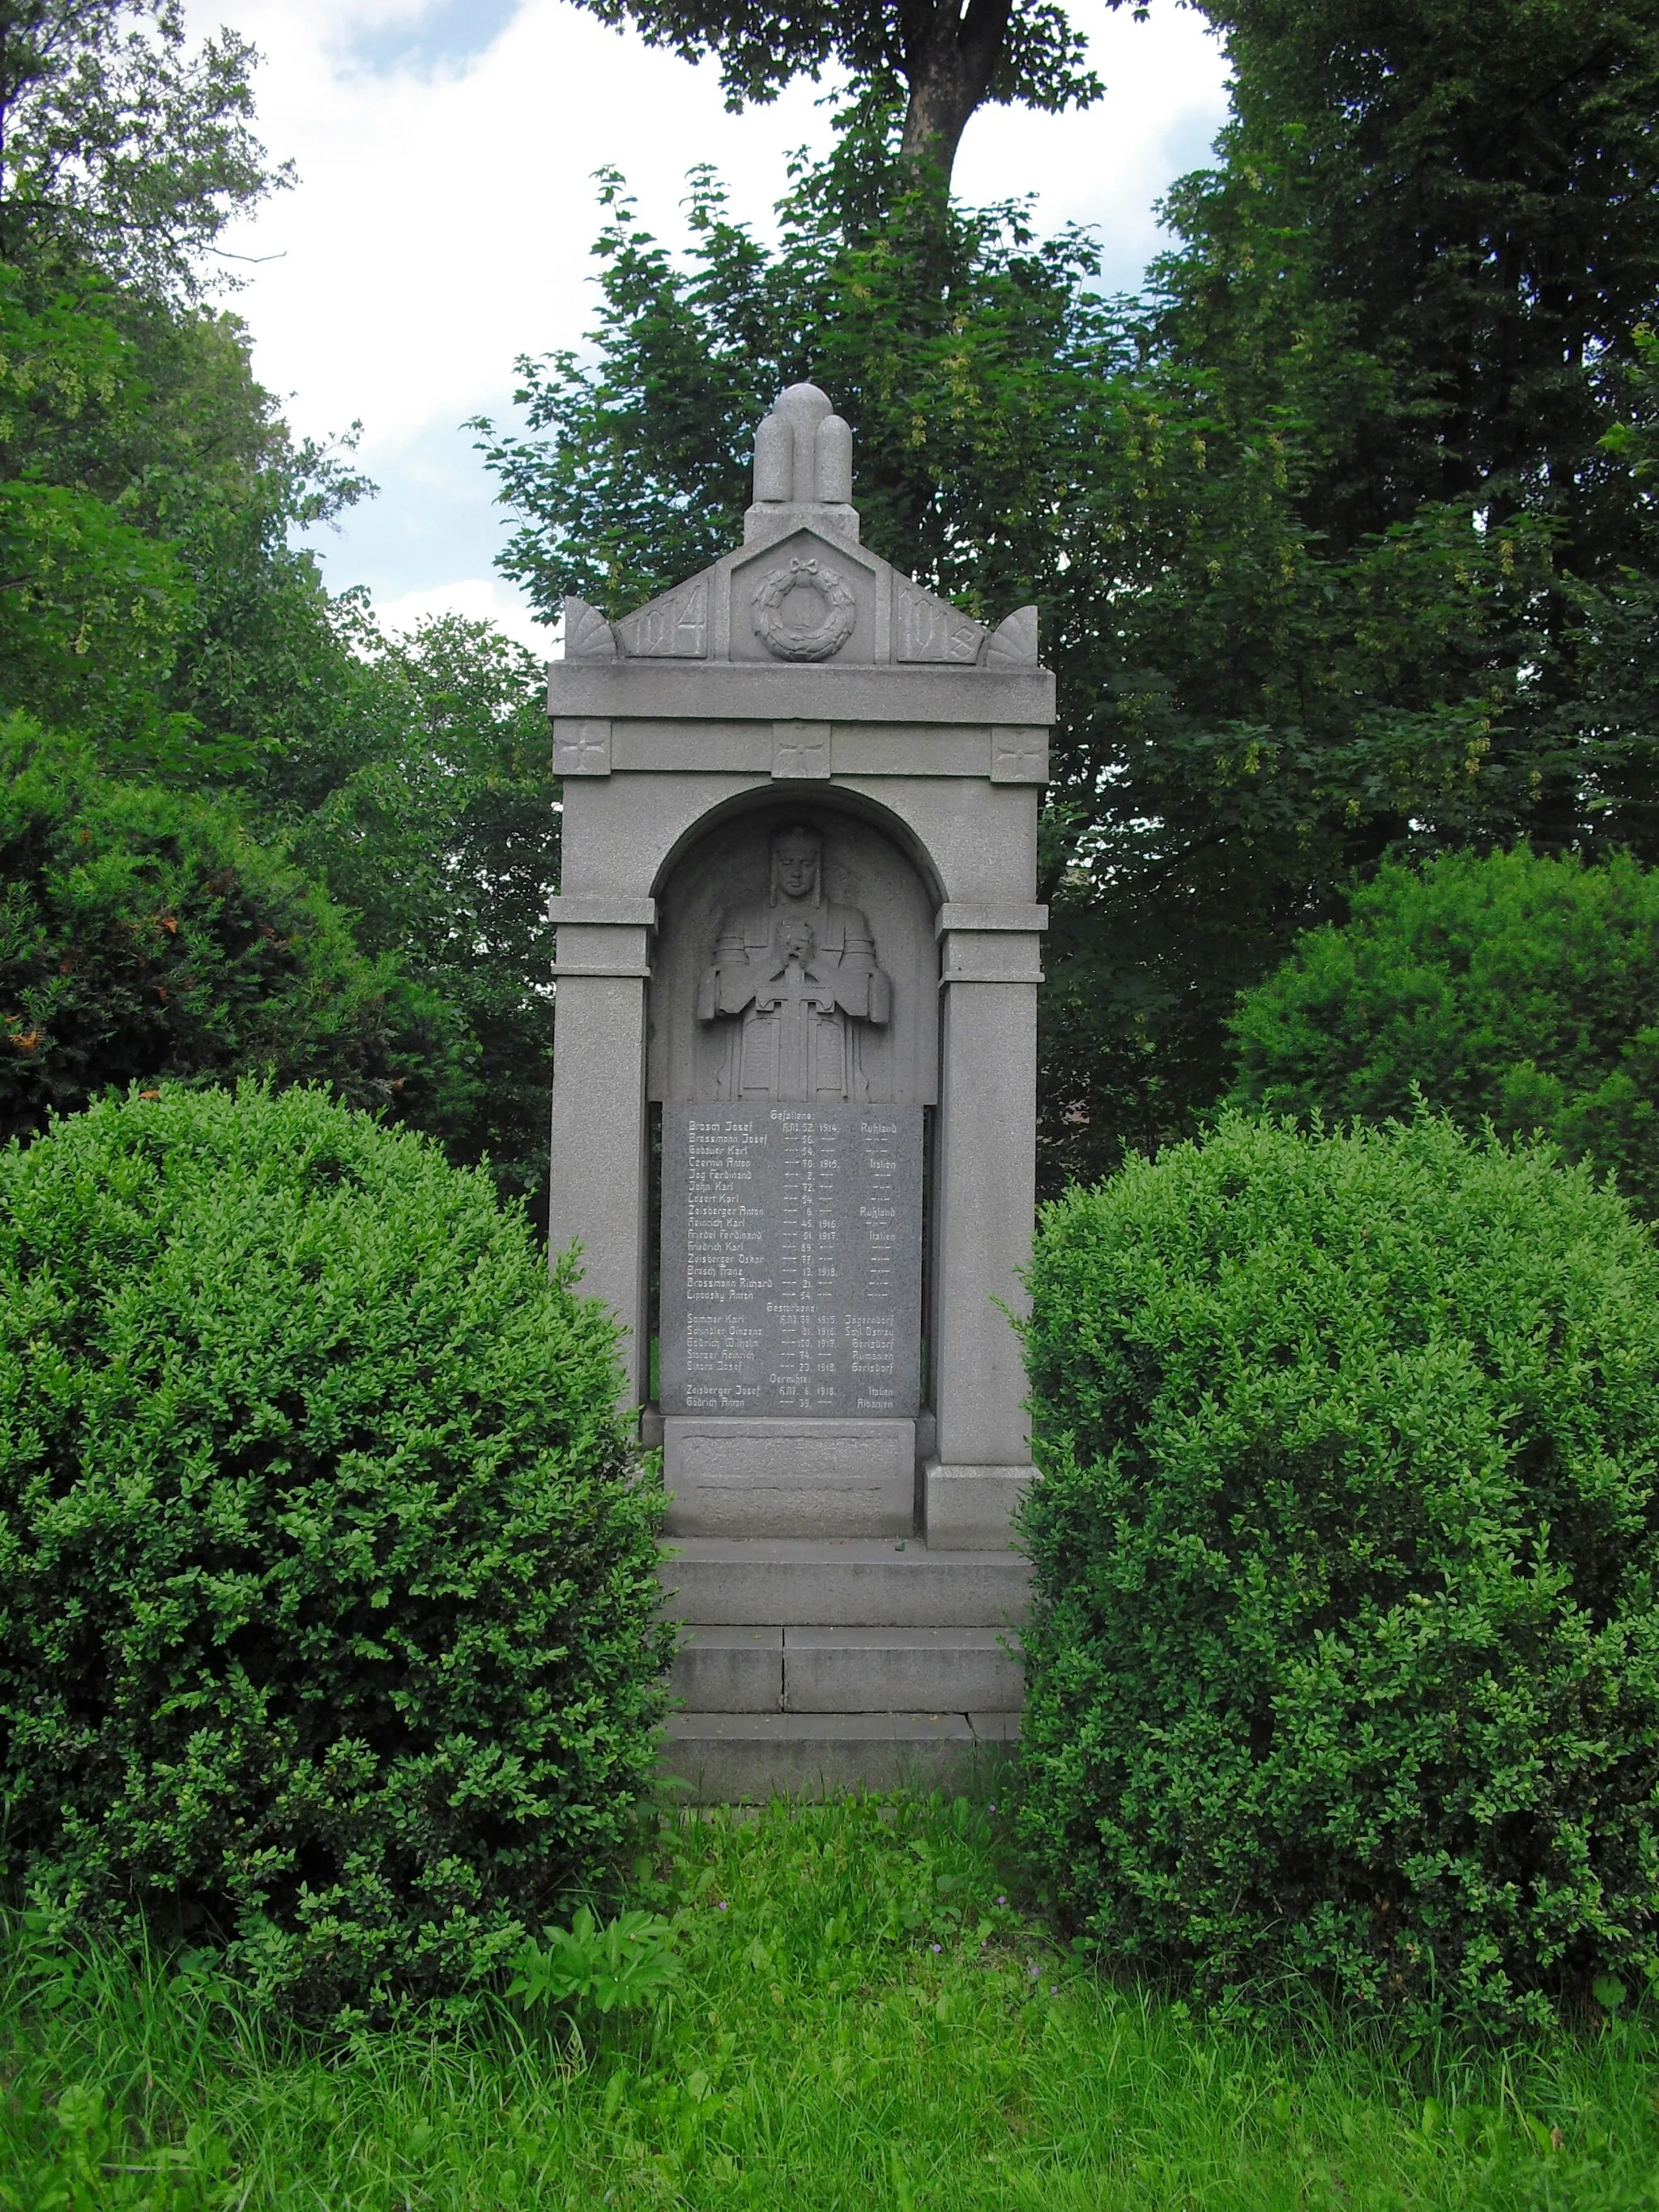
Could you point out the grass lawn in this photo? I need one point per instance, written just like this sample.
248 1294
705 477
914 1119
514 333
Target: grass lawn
868 2023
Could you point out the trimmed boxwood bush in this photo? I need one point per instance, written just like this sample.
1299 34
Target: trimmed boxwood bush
326 1587
1502 986
1344 1661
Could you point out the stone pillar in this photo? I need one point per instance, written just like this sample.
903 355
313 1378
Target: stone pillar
983 1209
598 1192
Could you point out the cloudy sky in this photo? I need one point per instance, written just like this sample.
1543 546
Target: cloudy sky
445 210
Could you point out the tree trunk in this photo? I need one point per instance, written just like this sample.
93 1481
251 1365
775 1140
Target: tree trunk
950 57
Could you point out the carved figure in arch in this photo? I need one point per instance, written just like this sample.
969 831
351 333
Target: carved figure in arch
795 981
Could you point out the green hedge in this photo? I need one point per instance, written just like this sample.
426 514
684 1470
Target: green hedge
1503 986
326 1586
1344 1661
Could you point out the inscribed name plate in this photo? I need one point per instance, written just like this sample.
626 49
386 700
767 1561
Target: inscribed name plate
791 1260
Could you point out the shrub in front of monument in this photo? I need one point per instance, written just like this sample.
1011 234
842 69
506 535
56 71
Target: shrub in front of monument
327 1584
1503 986
1343 1666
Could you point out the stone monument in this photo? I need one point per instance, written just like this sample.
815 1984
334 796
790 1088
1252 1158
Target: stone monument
793 1115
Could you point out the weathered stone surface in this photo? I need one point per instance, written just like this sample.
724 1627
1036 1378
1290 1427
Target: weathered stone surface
984 1203
1006 697
808 1476
600 1146
727 1758
808 1670
971 1509
876 1670
1014 642
856 1582
729 1670
792 987
791 1260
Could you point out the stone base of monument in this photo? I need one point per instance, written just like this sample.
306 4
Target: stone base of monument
808 1665
971 1509
755 1477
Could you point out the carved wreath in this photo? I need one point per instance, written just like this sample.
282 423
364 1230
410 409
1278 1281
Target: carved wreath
840 611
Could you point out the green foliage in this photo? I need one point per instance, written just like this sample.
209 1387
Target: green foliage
430 811
152 602
144 935
326 1587
155 602
148 490
1479 180
149 597
950 61
1262 685
1506 987
90 603
627 1961
1313 661
125 151
967 357
812 2060
77 579
1344 1659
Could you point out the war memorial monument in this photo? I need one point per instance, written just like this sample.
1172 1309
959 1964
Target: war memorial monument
794 1116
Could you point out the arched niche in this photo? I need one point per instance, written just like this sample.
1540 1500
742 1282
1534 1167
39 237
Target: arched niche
726 868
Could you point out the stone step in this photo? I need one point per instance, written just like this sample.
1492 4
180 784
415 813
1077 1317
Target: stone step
729 1670
858 1582
816 1669
727 1758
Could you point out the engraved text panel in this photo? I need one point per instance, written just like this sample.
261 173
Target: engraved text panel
791 1260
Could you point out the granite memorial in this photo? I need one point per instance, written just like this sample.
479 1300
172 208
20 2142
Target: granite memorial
797 967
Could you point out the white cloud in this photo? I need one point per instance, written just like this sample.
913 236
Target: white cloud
479 598
446 212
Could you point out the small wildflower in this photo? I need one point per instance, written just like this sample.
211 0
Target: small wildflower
1034 1972
939 1947
1002 1900
721 1906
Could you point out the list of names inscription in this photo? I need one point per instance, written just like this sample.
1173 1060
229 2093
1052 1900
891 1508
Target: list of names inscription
791 1260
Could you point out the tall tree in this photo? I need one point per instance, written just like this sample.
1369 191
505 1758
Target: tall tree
121 148
1251 707
1478 185
946 57
149 490
256 834
91 603
143 934
1479 179
426 803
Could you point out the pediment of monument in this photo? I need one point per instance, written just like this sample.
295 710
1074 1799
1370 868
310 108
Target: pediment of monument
801 597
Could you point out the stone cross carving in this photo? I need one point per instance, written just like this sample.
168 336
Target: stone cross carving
795 981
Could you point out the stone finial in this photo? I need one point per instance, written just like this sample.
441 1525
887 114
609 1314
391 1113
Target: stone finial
587 635
1014 642
803 469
